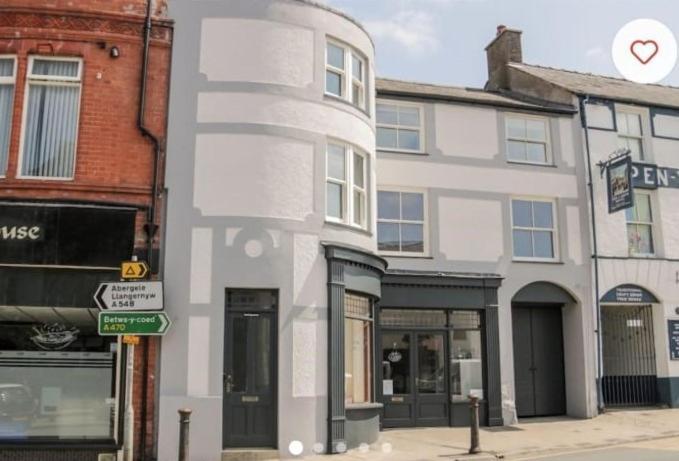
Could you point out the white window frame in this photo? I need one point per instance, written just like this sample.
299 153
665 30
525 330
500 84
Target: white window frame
9 81
627 110
425 222
420 128
549 159
347 74
555 228
348 185
637 193
51 81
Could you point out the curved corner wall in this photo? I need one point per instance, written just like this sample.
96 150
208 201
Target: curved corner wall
246 175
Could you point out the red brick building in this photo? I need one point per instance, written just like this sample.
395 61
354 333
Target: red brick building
80 190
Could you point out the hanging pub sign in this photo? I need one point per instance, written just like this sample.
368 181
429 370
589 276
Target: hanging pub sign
673 332
619 183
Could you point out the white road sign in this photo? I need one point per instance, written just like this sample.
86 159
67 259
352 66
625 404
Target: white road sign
130 296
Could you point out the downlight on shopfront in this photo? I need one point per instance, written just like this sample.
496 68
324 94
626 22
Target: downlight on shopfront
59 380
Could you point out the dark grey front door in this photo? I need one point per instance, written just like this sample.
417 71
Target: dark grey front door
538 361
414 368
250 378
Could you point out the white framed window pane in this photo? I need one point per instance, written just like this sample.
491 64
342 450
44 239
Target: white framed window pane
6 67
634 124
516 128
523 243
50 131
387 114
388 236
359 171
634 145
359 207
333 83
542 241
6 100
355 94
522 213
336 162
409 116
542 215
55 68
516 150
412 238
536 152
387 137
335 200
388 205
640 237
536 130
335 56
409 139
356 68
621 122
642 206
412 206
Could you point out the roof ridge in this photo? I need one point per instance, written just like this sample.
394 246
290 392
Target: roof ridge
590 74
439 85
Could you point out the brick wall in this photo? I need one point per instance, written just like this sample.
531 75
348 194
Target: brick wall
114 162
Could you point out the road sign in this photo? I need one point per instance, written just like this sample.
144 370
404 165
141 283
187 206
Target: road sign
131 340
130 270
133 323
130 296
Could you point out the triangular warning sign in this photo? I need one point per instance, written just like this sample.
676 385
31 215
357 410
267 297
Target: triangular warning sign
130 270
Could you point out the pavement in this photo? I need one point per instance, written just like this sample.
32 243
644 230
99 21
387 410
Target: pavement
628 435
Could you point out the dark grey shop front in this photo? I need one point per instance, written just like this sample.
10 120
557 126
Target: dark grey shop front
437 343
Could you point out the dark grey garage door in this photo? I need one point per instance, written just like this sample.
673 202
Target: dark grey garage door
538 360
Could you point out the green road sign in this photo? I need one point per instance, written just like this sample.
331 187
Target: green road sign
133 323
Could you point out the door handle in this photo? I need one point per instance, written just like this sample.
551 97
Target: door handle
228 384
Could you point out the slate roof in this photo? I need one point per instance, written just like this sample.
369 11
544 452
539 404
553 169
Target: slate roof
386 87
604 87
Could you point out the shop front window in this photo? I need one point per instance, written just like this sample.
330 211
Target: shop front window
466 377
358 327
57 375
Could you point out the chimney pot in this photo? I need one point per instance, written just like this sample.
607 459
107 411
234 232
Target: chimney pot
501 28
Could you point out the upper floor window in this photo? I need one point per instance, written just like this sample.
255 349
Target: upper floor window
345 74
51 117
630 134
7 81
401 224
399 127
527 139
640 225
533 229
346 185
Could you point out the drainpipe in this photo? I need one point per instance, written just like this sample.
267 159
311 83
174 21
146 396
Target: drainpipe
595 256
150 227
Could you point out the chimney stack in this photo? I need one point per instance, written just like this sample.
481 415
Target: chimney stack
504 49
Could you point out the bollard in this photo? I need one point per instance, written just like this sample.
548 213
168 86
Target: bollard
474 427
184 421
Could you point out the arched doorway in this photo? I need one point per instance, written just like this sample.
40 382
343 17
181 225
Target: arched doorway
537 330
628 343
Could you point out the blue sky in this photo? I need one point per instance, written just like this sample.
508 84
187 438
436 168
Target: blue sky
443 41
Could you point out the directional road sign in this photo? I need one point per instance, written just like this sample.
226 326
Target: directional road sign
133 323
130 270
130 296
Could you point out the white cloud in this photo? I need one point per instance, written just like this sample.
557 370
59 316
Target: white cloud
594 52
414 30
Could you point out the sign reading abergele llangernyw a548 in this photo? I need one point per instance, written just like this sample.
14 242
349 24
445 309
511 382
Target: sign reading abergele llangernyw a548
130 296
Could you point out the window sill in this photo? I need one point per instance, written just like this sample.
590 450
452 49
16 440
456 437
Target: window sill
643 255
382 150
519 162
537 261
363 406
349 227
340 99
43 178
401 255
